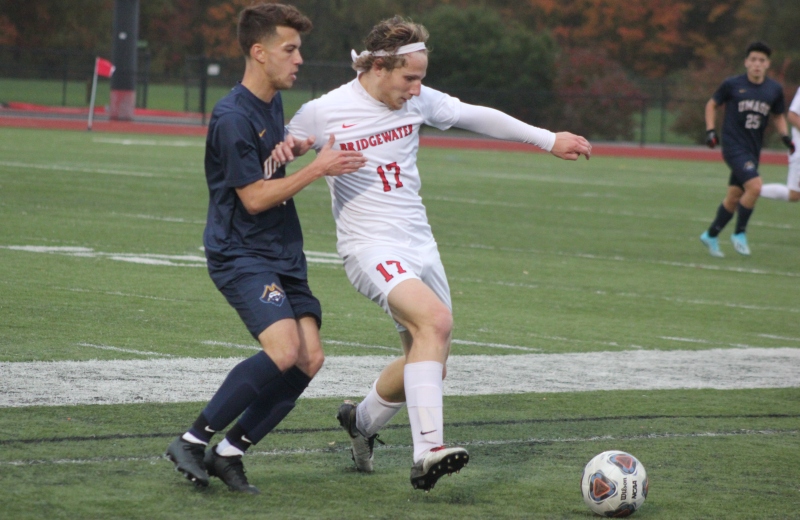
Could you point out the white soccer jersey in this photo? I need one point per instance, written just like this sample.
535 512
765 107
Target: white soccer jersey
795 107
380 203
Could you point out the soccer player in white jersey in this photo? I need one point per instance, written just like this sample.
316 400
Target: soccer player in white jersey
791 190
384 239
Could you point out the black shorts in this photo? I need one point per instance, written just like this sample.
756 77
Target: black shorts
263 299
743 168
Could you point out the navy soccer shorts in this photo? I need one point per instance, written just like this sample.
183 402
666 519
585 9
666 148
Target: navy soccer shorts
743 168
263 299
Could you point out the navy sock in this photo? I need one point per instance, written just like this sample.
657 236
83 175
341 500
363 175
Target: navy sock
723 217
201 430
273 404
241 387
742 217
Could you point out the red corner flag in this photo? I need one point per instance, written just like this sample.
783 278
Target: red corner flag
101 68
104 68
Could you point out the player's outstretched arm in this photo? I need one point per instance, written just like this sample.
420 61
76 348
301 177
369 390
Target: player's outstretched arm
491 122
268 193
570 146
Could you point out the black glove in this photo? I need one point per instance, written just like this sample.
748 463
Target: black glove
711 138
788 142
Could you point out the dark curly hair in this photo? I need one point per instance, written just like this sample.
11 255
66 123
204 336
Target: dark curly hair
260 21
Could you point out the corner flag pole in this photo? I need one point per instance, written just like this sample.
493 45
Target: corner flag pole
94 94
101 68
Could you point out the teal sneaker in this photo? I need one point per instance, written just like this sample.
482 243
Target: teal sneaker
712 244
739 241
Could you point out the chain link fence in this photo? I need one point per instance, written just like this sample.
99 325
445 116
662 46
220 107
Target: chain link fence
62 77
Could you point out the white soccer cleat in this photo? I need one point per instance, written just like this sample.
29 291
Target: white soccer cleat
435 464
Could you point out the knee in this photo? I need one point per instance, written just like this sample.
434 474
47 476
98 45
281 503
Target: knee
284 354
312 363
440 324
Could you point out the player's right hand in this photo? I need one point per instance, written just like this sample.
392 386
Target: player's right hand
711 138
286 151
789 143
338 162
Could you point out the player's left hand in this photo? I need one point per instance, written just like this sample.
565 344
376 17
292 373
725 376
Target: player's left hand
789 143
570 146
292 147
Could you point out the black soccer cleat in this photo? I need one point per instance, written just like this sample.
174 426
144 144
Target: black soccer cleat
362 447
230 470
188 459
435 464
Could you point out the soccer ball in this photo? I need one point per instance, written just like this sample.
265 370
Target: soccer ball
614 484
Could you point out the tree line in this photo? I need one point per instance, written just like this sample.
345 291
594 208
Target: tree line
567 52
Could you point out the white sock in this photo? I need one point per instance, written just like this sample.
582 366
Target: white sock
775 191
226 449
374 412
423 383
191 438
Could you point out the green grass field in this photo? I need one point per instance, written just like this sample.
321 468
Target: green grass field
553 257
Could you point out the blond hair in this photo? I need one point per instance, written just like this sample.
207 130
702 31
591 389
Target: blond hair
389 35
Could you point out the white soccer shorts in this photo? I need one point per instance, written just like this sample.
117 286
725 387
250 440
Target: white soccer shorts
374 271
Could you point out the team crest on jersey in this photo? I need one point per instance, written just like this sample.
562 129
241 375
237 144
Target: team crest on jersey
749 166
274 295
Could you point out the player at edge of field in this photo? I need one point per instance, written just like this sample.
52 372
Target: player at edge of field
749 99
791 190
254 250
383 235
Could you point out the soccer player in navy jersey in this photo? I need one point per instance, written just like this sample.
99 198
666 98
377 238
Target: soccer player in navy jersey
254 250
749 99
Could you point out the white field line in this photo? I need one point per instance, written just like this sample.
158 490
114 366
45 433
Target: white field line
320 257
396 350
196 379
617 258
152 259
126 350
591 209
494 345
162 219
682 301
198 143
118 293
397 447
782 338
69 168
333 258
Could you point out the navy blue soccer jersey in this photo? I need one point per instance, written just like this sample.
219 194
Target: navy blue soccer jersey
242 133
747 110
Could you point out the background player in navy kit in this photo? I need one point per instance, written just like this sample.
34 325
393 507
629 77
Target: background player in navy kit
254 248
748 99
